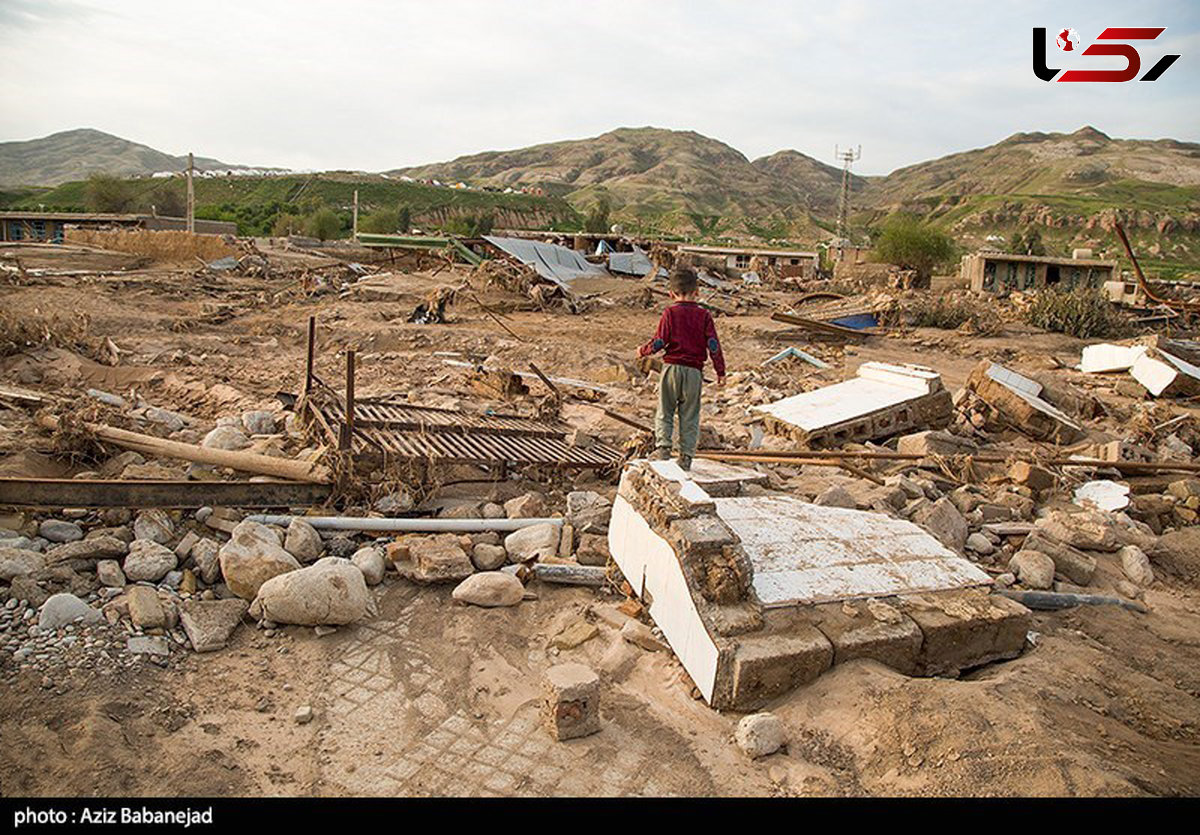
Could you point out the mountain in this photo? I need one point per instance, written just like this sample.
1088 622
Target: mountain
657 175
75 154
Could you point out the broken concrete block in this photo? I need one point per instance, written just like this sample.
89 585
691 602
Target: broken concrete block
533 542
1161 374
210 623
1017 399
759 735
1104 358
1033 568
490 589
769 666
330 592
145 609
1031 475
895 641
1087 529
571 701
965 629
935 442
942 519
433 559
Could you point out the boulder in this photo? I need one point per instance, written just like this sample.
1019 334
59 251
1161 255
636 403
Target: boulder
225 437
302 541
109 573
330 592
57 530
528 506
433 559
155 525
980 544
148 561
760 734
836 496
487 557
64 608
1033 568
210 623
259 422
252 556
489 589
1136 565
145 609
369 561
588 512
534 542
20 562
204 557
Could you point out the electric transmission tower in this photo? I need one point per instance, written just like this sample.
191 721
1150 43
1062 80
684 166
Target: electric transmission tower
848 158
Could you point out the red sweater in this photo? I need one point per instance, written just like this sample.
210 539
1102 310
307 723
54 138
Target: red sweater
686 331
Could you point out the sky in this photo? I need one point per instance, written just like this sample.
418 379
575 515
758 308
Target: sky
364 85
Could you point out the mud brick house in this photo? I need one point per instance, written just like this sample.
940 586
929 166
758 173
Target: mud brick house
995 272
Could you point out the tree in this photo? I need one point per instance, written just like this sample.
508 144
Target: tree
470 225
913 245
387 221
323 224
1029 242
168 200
597 218
105 193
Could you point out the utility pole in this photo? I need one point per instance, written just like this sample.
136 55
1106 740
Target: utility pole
356 213
848 158
191 194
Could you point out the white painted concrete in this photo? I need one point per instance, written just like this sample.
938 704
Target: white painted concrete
1103 495
1158 372
878 386
1104 357
1030 391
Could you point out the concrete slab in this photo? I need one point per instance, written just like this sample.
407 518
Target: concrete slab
1019 400
966 629
710 478
1161 373
1104 358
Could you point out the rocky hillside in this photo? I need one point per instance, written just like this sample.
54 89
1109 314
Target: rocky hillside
75 154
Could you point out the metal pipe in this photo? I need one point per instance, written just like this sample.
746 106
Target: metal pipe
359 523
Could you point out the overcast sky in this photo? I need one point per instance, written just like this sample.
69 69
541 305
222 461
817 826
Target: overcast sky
378 85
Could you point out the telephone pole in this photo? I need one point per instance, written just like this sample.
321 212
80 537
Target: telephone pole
191 194
355 233
848 158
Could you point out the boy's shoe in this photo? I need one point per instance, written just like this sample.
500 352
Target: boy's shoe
661 454
684 462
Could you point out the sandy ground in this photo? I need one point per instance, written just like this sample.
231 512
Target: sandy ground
432 698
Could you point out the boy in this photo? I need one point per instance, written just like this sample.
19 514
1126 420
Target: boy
686 332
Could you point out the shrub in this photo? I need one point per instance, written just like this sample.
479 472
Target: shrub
386 221
950 314
908 243
323 224
597 218
1084 313
470 225
105 193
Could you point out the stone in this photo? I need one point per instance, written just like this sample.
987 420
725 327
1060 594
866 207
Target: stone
574 634
303 715
980 544
836 496
209 624
1072 563
148 561
1183 489
1088 530
942 519
571 701
588 512
640 635
253 556
1033 568
592 549
183 549
302 541
528 506
491 510
145 609
330 592
1031 475
64 608
395 503
57 530
205 558
148 645
534 542
490 589
369 561
259 422
965 629
155 525
19 562
225 437
759 735
934 442
109 573
432 559
340 545
90 549
487 557
1136 565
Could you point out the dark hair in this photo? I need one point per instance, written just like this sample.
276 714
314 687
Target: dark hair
683 281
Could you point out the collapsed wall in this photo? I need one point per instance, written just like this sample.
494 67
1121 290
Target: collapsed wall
758 593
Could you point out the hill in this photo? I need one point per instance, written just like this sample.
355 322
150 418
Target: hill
75 154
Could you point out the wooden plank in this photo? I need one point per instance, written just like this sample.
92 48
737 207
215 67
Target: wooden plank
68 492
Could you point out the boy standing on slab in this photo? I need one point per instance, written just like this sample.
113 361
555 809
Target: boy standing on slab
687 334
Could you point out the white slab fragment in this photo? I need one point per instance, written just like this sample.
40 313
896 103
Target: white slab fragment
1103 495
1029 391
650 565
1105 357
915 377
806 553
705 472
1158 372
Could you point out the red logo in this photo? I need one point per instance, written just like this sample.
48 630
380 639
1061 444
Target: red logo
1068 40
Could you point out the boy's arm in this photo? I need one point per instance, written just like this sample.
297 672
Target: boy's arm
660 338
714 347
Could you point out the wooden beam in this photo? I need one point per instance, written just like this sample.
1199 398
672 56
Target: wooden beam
74 492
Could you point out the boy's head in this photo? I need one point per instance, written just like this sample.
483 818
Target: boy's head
683 283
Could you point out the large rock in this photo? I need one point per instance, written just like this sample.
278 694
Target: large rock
62 609
92 549
588 512
19 562
592 550
760 734
145 609
1087 530
1136 565
210 623
369 561
433 559
488 557
57 530
836 496
1033 568
1072 563
155 525
259 422
489 589
205 558
148 561
329 592
109 573
302 541
225 437
942 519
533 542
252 556
528 506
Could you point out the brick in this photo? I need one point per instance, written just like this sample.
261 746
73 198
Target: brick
965 629
571 701
861 635
771 665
